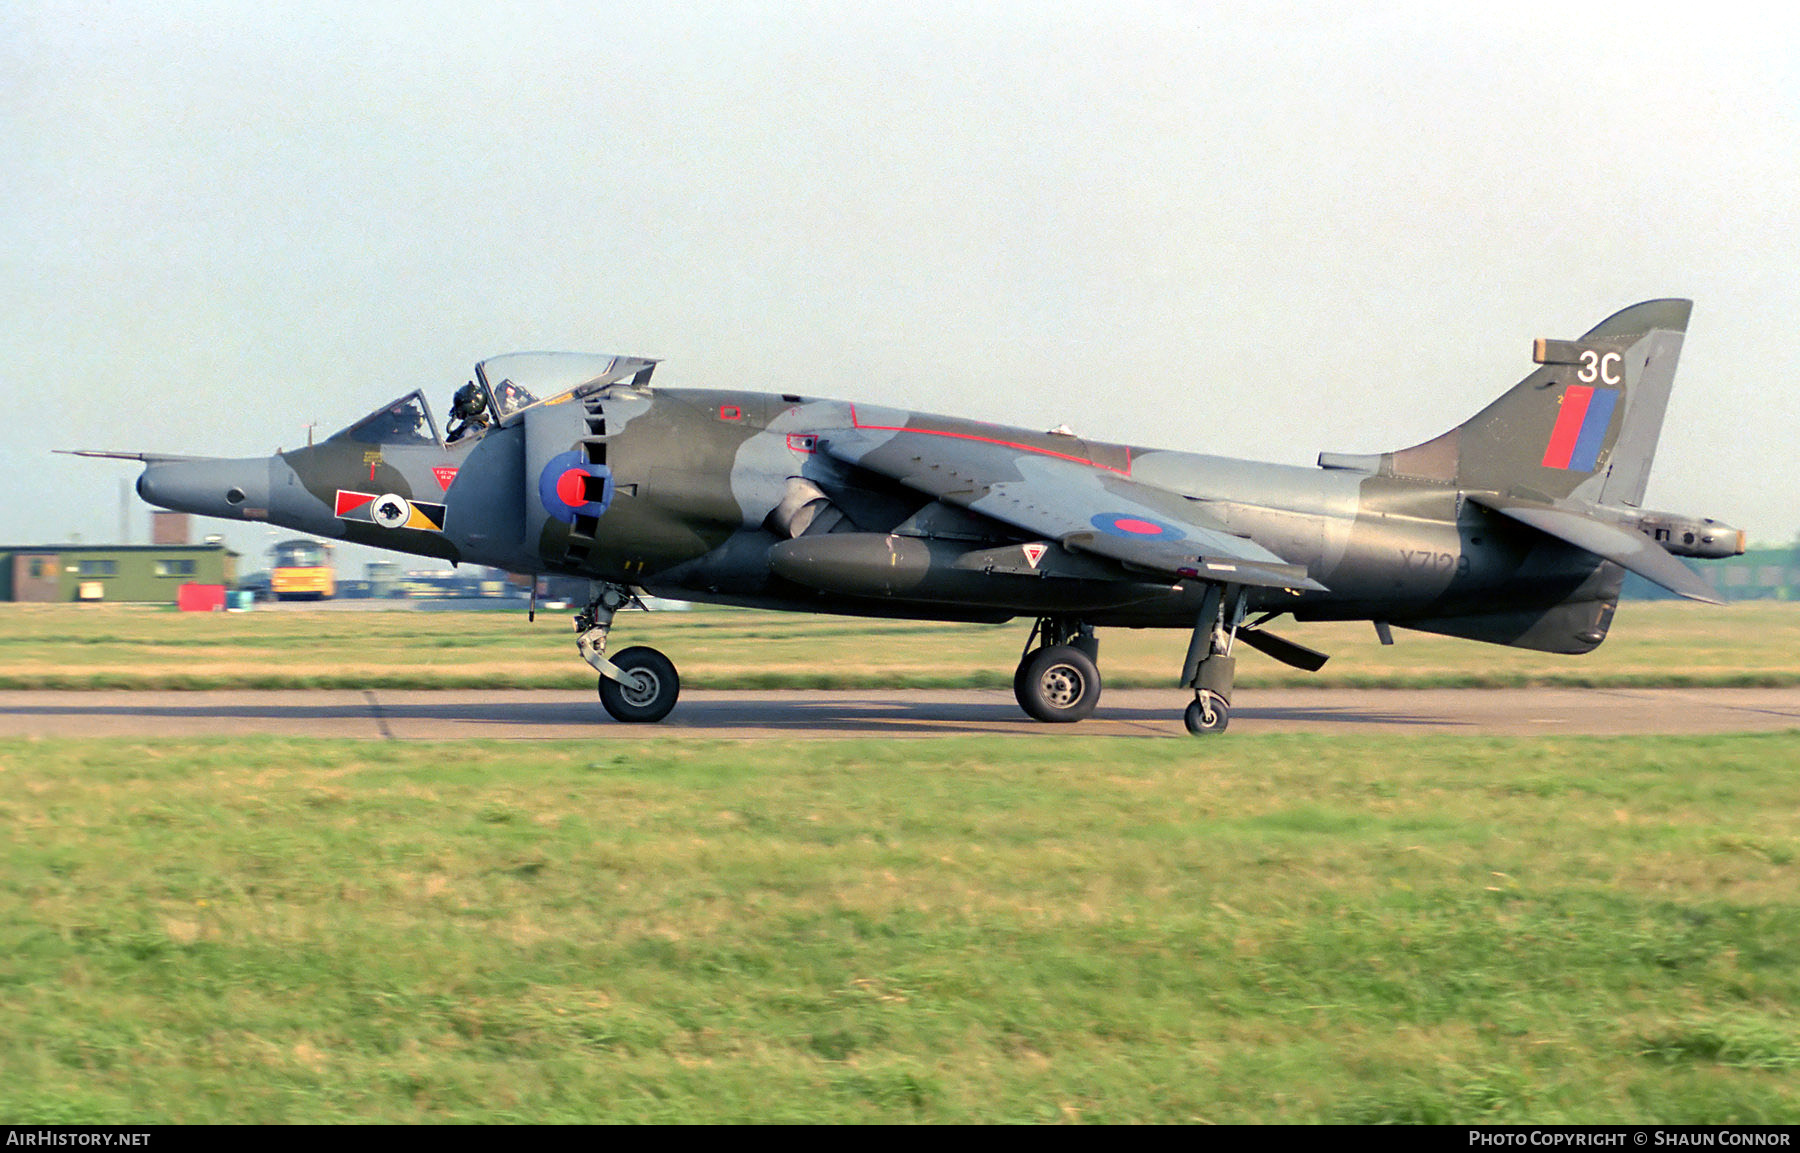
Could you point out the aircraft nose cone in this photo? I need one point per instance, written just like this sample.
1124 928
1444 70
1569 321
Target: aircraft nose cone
237 489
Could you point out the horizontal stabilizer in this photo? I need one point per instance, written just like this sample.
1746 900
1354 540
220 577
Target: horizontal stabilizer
1629 549
1281 649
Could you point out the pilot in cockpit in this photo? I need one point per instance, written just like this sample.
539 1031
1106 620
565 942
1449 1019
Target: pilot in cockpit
468 413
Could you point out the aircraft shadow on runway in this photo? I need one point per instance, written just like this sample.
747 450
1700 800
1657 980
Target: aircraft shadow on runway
925 717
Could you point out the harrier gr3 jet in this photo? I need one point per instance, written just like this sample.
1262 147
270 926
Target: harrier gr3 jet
1514 528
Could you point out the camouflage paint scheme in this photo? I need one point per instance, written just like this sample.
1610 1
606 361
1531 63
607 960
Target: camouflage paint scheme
1515 528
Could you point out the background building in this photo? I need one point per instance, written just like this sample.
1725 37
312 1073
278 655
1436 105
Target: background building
111 572
1760 574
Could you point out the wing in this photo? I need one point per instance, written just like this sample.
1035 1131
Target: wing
1065 497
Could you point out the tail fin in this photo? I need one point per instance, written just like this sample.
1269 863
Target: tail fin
1583 425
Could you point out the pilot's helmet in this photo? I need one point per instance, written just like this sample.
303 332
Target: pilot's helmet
469 400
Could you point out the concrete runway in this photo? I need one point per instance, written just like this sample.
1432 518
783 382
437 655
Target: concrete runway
791 715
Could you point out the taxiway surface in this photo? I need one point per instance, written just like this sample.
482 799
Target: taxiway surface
789 715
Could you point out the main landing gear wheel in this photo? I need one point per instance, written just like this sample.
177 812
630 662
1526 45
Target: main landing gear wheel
1057 684
1209 713
649 690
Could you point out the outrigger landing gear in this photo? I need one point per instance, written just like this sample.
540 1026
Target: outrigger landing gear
1210 668
639 686
1058 681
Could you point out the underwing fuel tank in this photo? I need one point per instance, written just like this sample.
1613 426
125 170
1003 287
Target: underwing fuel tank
884 566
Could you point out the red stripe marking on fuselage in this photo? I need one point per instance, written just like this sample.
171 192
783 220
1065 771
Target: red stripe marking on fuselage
1126 471
348 502
1568 426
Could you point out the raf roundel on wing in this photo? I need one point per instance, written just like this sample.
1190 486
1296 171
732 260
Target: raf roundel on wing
1119 524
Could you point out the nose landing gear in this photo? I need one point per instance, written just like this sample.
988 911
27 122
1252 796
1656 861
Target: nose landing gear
640 685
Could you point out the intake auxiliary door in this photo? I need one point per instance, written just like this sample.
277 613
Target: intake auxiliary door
568 486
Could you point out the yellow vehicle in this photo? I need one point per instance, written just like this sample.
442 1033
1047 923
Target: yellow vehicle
302 571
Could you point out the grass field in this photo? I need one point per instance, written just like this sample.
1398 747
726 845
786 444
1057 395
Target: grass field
76 647
1065 928
1045 928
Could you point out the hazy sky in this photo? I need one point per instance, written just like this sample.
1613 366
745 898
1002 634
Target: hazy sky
1258 230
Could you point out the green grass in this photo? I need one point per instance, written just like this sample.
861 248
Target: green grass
1269 929
91 647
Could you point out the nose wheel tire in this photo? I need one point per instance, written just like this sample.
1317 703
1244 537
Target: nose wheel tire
1057 684
1209 713
649 690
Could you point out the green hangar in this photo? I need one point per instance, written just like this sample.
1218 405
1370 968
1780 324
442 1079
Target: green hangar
80 572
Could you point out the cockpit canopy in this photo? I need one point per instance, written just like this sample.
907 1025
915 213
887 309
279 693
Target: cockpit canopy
512 384
518 380
404 421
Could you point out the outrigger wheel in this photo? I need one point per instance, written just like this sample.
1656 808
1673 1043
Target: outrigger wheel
1209 713
1210 669
648 691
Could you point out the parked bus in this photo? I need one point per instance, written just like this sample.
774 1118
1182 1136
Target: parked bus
301 570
